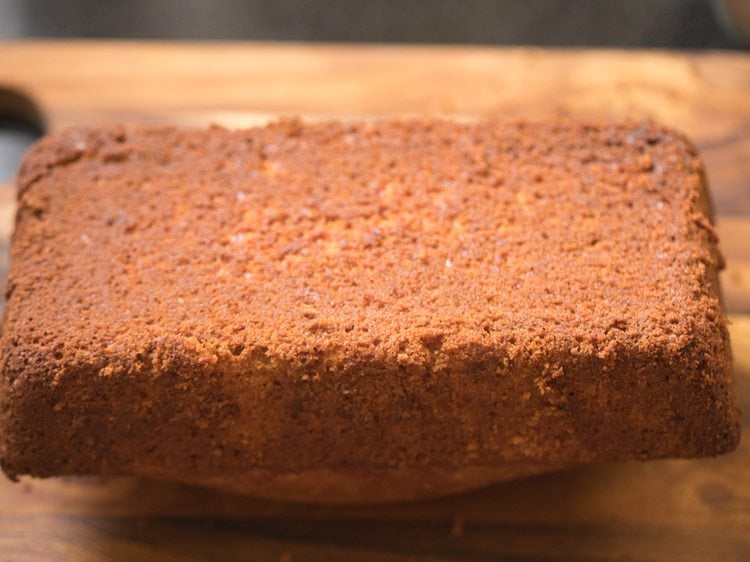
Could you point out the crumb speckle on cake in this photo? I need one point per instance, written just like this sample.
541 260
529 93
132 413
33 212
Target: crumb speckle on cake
362 311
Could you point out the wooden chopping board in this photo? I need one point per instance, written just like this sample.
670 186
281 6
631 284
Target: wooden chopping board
656 511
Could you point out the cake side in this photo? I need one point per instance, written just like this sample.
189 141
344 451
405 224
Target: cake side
310 310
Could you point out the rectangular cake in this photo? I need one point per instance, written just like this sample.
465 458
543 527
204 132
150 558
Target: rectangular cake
362 311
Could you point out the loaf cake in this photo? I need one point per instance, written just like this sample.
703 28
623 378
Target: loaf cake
357 312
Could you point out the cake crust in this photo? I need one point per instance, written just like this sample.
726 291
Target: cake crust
362 311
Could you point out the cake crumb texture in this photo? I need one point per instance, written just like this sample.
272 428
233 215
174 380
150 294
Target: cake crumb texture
337 309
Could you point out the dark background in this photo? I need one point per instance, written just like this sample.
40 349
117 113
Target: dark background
613 23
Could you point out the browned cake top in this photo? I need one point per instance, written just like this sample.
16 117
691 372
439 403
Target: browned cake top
320 245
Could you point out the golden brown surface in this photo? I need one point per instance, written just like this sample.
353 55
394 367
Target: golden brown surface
352 312
691 510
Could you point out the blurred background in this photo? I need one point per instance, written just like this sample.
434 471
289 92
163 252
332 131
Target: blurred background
671 24
611 23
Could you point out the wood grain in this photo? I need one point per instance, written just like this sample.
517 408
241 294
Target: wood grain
655 511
